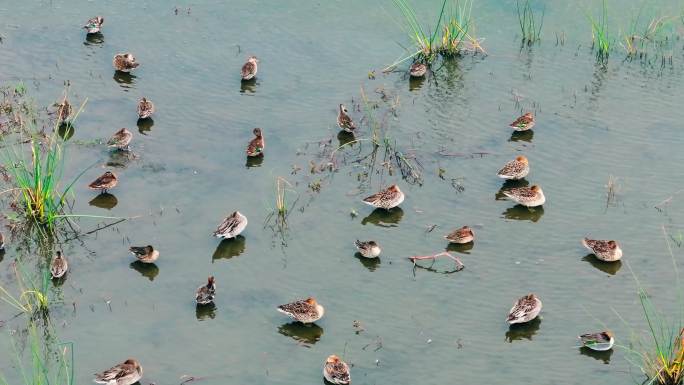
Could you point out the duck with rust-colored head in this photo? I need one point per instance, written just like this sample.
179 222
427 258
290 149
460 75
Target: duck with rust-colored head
305 310
256 146
461 236
104 182
605 250
527 196
128 372
145 254
516 169
205 294
523 123
336 371
386 199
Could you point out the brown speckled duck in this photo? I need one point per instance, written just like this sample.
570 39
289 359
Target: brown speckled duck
305 311
417 70
463 235
94 25
344 121
524 310
249 69
120 139
256 146
128 372
368 249
58 266
386 199
526 196
125 62
104 182
231 226
523 123
205 294
336 371
518 168
145 108
608 251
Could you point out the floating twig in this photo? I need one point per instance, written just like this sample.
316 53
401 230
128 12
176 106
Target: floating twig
459 265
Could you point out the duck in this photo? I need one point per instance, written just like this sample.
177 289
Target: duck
344 121
2 241
461 236
205 293
232 226
368 249
516 169
600 341
417 70
524 309
605 250
145 108
58 266
336 371
125 62
104 182
94 25
63 110
145 254
523 123
386 199
527 196
305 311
249 69
128 372
256 146
120 139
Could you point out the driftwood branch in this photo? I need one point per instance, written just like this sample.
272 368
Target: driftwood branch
459 265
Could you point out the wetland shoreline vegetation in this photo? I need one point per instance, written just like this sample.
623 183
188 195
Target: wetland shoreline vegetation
39 202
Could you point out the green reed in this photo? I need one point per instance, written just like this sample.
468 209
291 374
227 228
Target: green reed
425 43
455 31
600 36
530 25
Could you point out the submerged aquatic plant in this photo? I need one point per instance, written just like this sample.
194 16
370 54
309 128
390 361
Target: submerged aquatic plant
656 37
600 36
530 25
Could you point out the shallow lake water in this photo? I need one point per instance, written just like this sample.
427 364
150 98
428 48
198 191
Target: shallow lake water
594 121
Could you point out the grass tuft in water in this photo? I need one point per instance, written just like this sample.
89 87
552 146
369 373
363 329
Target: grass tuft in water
600 36
530 25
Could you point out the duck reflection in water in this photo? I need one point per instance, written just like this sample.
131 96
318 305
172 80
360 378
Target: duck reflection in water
510 184
384 218
248 86
66 130
415 83
597 355
204 312
526 330
304 334
522 136
344 137
522 213
124 79
94 39
462 248
120 159
148 270
229 248
254 161
145 125
369 263
607 267
104 201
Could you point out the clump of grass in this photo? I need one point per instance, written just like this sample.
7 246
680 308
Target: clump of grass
530 25
281 190
425 43
37 170
600 36
655 37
